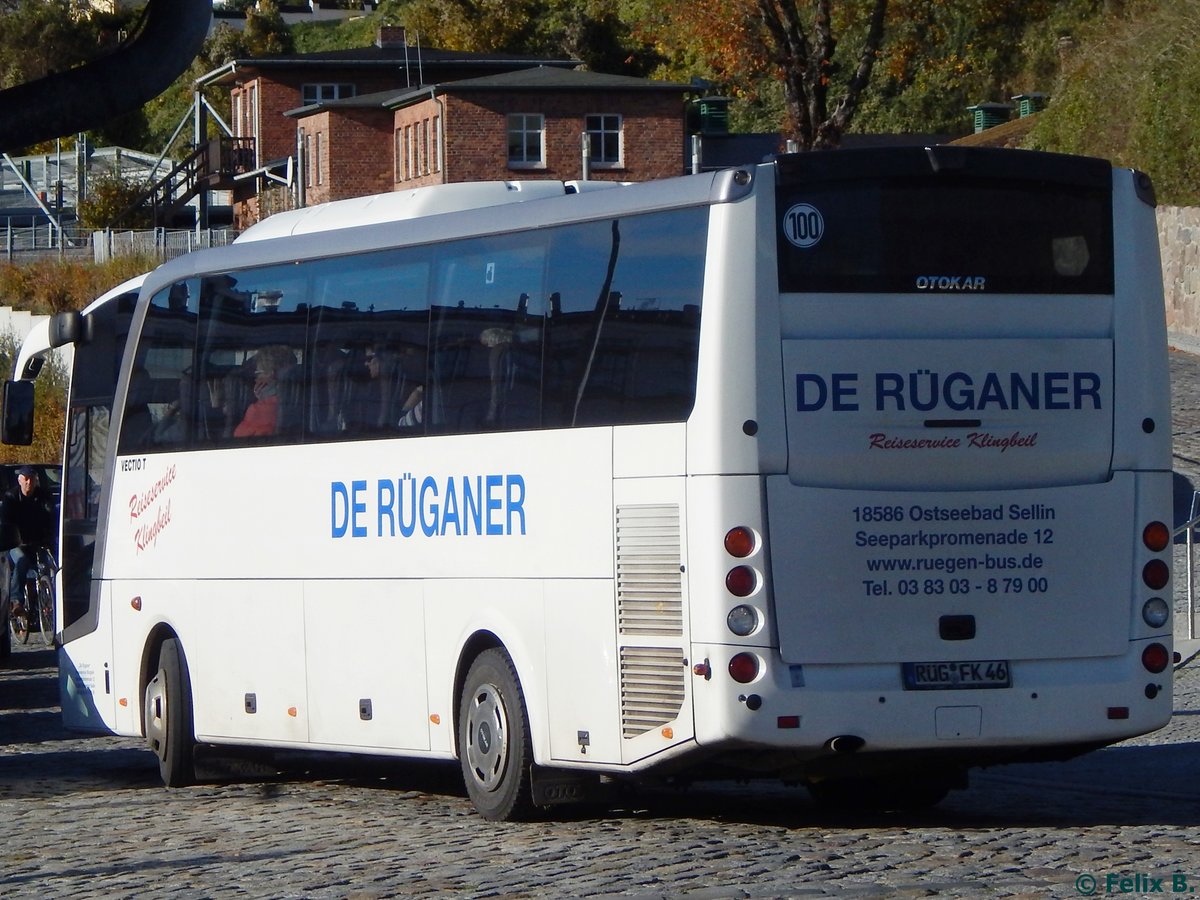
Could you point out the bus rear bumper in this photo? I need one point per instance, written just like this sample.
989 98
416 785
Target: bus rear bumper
1052 709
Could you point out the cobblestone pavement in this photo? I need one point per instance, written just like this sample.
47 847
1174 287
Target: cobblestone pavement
88 818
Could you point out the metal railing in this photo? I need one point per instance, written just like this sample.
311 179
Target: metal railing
161 243
1188 529
45 239
27 243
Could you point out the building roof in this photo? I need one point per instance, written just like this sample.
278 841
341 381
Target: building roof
1009 134
540 78
390 58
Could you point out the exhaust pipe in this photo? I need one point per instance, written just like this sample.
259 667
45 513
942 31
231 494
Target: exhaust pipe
846 743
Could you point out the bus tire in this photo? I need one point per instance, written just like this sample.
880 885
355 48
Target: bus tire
494 746
167 714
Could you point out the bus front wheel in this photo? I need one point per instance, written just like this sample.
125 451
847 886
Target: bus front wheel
494 747
167 714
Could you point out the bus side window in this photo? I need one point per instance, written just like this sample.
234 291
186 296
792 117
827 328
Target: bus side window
623 337
159 404
486 335
253 326
368 331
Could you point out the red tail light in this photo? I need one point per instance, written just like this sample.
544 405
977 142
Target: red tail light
1156 536
1155 658
739 542
740 581
743 668
1156 574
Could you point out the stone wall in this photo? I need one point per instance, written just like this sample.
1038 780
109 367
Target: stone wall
1179 245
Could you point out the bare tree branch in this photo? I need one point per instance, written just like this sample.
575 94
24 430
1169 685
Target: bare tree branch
804 57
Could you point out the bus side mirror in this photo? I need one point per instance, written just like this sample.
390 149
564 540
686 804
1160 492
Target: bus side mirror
17 425
68 328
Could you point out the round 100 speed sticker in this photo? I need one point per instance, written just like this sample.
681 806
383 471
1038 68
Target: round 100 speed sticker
803 225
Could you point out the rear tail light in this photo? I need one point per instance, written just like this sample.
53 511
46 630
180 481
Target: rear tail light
741 581
739 542
1155 612
1155 574
743 668
1156 536
1155 658
742 620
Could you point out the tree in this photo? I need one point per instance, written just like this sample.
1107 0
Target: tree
747 47
38 37
940 58
41 37
801 45
266 33
107 205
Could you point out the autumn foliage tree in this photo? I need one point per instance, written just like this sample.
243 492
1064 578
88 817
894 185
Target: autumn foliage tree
801 45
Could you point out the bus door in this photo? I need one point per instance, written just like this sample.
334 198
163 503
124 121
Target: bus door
85 688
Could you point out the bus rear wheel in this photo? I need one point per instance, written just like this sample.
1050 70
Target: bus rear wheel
167 714
494 747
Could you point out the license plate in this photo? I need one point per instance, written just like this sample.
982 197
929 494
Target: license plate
956 676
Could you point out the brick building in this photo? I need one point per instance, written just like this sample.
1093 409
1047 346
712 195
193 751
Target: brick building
263 89
542 122
390 117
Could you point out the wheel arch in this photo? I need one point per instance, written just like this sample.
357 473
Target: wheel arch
487 639
476 644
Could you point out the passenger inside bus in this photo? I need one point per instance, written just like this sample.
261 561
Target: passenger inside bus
263 416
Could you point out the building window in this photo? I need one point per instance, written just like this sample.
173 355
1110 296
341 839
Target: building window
316 93
420 150
525 140
399 154
308 161
604 139
317 155
437 143
426 167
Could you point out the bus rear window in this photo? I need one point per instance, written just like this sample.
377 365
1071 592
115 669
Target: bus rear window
945 233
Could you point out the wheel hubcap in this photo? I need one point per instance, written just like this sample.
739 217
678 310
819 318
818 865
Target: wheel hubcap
156 715
487 737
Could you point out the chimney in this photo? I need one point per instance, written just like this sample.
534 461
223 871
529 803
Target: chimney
989 115
390 37
1028 104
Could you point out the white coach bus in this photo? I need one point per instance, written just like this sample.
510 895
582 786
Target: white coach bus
850 469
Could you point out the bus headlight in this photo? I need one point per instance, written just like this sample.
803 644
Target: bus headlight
1155 612
742 620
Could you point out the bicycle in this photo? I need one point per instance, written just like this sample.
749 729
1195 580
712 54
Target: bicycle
33 608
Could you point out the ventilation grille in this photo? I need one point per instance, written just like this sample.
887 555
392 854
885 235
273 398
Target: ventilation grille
649 584
651 688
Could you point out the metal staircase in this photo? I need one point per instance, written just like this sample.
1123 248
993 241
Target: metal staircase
212 166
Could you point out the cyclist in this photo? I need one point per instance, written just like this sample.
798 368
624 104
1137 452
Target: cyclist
28 509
